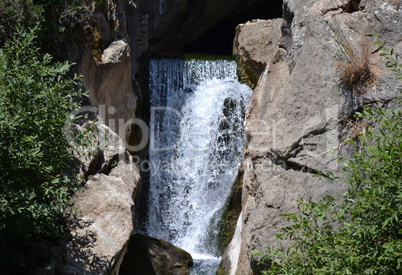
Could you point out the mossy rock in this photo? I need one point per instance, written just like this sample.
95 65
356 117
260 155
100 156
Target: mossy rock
227 225
249 71
93 39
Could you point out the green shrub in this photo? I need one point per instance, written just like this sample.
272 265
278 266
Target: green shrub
361 232
35 99
20 12
55 19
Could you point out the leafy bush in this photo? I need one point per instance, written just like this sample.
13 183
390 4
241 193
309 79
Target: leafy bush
56 20
361 232
35 99
13 12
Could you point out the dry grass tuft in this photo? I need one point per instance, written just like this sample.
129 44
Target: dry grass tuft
357 71
355 129
395 3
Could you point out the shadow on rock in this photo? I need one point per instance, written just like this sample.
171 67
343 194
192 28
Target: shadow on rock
80 250
149 256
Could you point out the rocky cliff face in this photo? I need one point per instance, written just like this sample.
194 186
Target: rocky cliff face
107 60
298 117
297 120
112 43
116 40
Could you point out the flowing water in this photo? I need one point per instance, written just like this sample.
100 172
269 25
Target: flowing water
196 144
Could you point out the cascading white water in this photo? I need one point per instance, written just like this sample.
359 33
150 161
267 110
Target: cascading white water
197 111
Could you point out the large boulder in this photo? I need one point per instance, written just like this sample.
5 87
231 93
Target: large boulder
255 44
103 209
101 218
148 256
301 109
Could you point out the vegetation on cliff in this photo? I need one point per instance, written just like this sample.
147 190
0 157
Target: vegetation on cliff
57 23
361 232
37 93
36 97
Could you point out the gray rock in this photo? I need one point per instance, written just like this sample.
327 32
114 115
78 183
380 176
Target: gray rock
147 256
104 150
295 123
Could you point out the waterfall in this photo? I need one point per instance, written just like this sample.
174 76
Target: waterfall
196 144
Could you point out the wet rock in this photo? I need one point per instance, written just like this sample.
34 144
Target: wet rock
148 256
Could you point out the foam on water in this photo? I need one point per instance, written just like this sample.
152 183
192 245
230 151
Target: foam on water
197 112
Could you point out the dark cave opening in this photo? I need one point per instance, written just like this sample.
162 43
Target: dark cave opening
219 40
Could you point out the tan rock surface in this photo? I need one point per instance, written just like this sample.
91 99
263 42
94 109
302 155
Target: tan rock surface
104 211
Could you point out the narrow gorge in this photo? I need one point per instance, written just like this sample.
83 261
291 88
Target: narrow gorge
220 115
